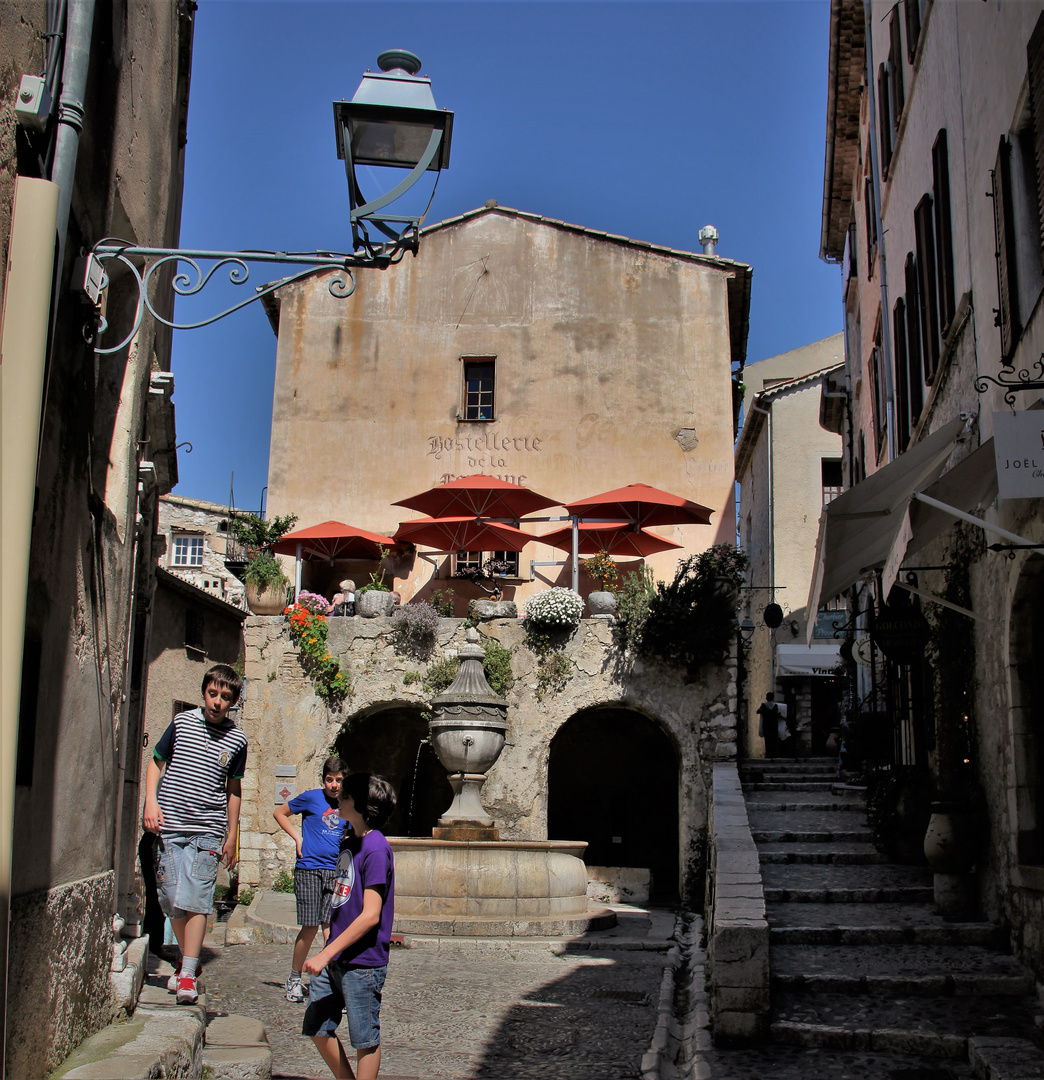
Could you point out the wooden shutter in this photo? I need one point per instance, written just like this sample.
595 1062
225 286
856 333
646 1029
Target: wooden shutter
912 10
927 295
943 231
884 123
914 351
1035 66
895 66
870 209
1007 315
902 375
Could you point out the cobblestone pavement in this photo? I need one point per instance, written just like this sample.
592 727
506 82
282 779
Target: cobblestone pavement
459 1013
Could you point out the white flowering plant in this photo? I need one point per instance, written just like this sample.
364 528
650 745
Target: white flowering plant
555 609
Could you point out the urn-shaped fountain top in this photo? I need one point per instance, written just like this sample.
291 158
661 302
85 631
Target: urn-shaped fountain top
469 693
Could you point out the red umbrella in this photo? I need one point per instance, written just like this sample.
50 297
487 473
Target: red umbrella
463 534
616 539
478 496
643 505
334 540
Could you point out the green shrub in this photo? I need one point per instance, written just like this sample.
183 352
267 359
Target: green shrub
245 897
410 677
442 602
415 626
284 882
497 666
553 671
440 674
632 607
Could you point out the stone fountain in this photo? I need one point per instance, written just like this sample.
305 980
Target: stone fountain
465 881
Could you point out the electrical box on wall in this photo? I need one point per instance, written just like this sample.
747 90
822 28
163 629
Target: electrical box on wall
33 107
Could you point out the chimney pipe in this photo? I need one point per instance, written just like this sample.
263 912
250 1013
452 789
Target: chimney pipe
708 238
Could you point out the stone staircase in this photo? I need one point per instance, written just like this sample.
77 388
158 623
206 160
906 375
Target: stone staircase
860 962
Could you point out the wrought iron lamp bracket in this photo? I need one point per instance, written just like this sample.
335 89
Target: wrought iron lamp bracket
1014 382
144 263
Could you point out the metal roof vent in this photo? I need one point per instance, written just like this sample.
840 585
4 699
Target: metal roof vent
708 238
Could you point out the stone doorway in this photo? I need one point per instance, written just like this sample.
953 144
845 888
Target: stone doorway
1027 647
613 781
391 740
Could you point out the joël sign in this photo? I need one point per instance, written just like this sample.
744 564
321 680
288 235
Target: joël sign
1018 443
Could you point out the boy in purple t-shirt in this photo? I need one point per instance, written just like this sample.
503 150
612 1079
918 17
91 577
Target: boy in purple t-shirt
315 873
348 975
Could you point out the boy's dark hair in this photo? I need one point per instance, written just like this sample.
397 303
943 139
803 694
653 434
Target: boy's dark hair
224 676
373 796
333 764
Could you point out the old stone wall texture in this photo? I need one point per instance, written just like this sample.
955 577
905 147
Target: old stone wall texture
289 726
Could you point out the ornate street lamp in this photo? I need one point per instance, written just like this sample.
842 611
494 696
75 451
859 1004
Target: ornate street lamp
391 122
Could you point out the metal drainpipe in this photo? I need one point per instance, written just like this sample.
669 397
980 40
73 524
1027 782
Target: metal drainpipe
767 413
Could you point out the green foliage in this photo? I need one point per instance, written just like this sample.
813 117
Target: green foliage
442 602
308 631
553 671
255 532
376 582
265 572
602 568
898 807
440 674
245 897
692 619
411 677
284 882
632 607
497 666
220 893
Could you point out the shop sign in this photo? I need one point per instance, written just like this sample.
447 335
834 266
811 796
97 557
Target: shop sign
901 632
1018 443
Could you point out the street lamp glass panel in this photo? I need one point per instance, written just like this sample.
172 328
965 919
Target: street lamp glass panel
376 142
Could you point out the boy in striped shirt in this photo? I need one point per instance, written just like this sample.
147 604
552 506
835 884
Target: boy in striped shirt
195 810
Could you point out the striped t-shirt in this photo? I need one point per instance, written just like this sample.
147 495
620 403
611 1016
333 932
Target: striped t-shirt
200 759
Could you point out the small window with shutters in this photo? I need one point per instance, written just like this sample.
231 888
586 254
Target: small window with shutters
1006 314
912 14
943 232
885 134
914 352
927 286
895 66
879 394
870 211
1035 70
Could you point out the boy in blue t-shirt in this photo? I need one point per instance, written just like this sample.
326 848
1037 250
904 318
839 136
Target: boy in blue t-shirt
348 975
315 873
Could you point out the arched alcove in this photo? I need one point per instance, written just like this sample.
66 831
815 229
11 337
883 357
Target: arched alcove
1027 697
612 780
391 740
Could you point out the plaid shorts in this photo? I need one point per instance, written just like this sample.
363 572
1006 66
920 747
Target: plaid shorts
313 890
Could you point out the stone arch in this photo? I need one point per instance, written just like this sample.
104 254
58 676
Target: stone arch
390 738
613 779
1026 646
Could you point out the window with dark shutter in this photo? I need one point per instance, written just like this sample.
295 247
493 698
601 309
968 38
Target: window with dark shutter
1007 313
870 208
1035 66
943 232
912 11
914 352
853 262
194 630
927 291
879 393
895 66
884 121
903 425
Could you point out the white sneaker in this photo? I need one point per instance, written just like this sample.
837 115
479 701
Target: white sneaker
188 990
172 982
294 990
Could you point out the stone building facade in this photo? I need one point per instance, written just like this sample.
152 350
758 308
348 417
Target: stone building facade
931 106
197 539
103 452
596 361
618 755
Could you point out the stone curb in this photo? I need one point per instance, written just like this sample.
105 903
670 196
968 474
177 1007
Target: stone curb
995 1058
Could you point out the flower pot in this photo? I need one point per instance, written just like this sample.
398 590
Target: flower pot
373 602
268 601
950 844
602 603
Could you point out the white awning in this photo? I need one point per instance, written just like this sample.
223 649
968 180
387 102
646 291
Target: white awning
818 659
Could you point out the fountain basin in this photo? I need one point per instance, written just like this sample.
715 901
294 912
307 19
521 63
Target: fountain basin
507 888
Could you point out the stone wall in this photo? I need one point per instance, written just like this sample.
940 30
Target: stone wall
291 729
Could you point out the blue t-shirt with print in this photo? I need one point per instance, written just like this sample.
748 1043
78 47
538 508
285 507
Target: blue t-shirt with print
321 830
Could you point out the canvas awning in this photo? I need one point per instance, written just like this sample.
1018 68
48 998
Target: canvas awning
899 510
819 659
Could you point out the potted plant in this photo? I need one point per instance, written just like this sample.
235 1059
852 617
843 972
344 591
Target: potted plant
265 582
375 597
602 568
266 585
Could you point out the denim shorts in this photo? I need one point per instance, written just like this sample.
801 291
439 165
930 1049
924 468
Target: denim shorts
341 989
186 869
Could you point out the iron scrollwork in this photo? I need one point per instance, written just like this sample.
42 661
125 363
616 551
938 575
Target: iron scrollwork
1013 382
203 265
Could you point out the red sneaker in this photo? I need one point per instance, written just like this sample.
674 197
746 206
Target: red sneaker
188 990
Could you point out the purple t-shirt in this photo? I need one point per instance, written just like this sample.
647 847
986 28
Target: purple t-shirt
321 828
364 863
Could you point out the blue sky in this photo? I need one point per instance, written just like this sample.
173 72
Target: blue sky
645 119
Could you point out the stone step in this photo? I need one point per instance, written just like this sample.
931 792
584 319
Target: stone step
791 835
1005 1058
808 820
850 853
873 924
928 1027
899 970
827 883
809 764
792 802
774 783
770 1060
236 1048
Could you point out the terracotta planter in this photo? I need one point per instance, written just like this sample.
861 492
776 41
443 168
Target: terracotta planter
601 603
269 601
372 603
